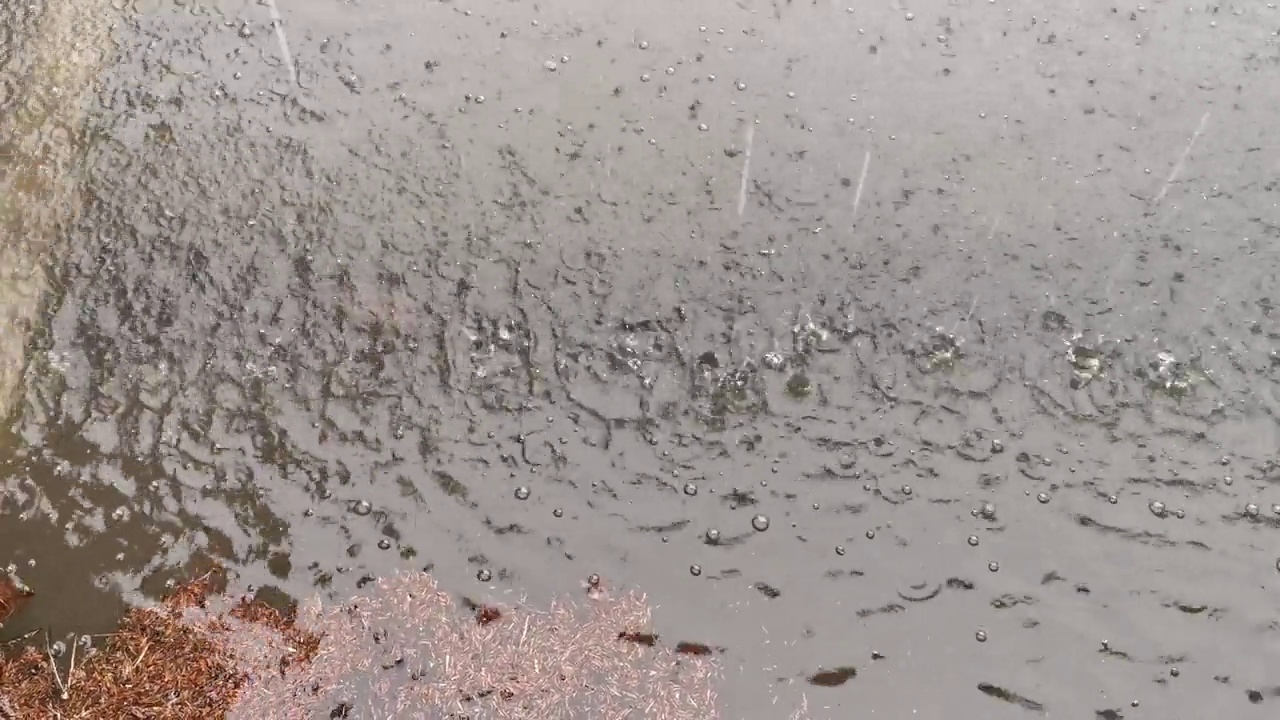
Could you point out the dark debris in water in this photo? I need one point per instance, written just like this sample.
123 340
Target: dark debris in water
833 677
1009 696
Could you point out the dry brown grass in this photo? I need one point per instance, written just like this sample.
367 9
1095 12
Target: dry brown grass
401 649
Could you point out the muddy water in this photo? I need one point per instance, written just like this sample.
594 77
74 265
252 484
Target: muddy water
933 339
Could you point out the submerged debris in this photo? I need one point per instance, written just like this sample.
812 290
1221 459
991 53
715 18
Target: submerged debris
401 649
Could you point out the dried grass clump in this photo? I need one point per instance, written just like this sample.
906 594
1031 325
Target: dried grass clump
401 649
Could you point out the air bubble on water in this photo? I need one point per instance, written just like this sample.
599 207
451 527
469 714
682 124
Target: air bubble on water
760 522
1157 508
484 575
911 16
522 493
993 566
973 540
871 534
1043 497
980 636
644 44
906 489
695 570
362 508
840 550
1275 509
1228 480
550 65
1179 513
690 489
1251 510
1113 499
997 447
644 77
384 544
702 127
742 86
558 512
713 536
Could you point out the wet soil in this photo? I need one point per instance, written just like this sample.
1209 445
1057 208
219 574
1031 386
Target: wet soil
931 339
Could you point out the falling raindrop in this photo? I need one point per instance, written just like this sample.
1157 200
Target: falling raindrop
484 575
760 522
522 493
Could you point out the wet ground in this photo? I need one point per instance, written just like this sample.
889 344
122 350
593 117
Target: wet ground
936 339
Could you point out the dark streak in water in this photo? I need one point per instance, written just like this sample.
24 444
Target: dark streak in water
1009 696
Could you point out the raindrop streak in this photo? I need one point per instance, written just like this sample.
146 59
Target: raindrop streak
760 523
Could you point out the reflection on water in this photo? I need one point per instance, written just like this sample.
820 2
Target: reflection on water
917 312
